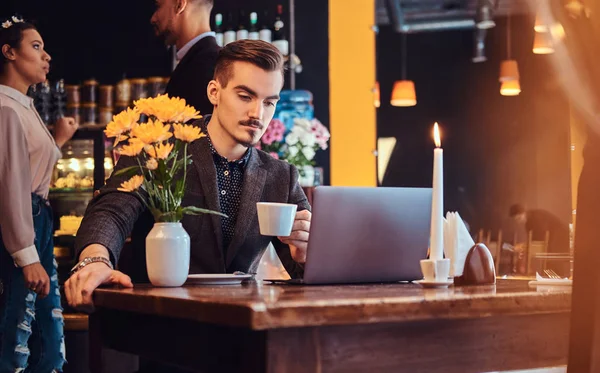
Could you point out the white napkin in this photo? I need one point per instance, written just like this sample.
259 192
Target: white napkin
270 266
457 242
554 281
544 284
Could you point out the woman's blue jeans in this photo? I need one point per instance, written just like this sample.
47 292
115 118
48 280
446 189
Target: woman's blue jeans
31 328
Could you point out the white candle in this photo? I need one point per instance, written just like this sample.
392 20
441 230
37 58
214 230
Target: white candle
437 203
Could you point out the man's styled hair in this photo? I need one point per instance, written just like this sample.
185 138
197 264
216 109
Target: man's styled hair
206 3
257 52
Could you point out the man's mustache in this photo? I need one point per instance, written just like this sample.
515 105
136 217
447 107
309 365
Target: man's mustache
252 123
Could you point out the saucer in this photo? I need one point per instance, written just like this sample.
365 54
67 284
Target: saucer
434 284
216 279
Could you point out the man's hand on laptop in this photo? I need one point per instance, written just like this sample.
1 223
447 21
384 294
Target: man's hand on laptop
298 239
81 285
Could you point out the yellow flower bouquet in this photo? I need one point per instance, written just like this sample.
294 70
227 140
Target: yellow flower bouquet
162 162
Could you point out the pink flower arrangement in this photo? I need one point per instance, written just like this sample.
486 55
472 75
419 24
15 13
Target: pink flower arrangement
274 132
297 145
321 133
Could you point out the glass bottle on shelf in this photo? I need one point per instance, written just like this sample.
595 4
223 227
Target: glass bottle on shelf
279 39
219 29
265 33
242 32
59 100
253 31
229 35
42 101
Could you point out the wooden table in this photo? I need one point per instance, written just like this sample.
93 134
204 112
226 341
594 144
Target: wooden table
350 328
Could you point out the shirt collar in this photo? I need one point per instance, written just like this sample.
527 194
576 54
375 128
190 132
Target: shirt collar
186 48
16 95
241 162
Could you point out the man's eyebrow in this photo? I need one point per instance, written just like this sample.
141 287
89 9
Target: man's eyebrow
247 89
252 93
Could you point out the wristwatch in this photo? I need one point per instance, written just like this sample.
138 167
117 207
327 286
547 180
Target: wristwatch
90 260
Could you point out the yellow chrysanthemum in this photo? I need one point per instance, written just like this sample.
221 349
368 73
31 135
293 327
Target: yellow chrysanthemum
120 139
187 133
132 184
121 124
186 112
132 149
160 151
152 132
151 164
149 105
167 109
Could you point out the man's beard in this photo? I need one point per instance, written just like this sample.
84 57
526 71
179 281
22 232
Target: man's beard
244 143
165 35
248 123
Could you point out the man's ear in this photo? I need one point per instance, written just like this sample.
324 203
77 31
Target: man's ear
213 90
180 6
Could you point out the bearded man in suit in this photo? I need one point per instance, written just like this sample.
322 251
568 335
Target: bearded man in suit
228 175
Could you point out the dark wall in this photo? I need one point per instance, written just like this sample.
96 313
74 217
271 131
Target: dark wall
109 38
497 150
103 39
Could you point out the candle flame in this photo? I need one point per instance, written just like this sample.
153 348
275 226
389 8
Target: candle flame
436 135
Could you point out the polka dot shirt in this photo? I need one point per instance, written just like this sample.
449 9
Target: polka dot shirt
230 179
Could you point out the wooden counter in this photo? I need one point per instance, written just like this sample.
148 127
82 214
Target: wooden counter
349 328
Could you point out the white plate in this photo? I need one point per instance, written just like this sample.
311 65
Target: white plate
434 284
217 279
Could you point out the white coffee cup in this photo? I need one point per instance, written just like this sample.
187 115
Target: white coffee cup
435 270
276 219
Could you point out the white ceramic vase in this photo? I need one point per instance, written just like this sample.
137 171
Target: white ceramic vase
168 254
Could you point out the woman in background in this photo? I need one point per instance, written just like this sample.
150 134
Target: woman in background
31 321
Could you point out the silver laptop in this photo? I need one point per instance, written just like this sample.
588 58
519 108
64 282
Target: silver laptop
362 235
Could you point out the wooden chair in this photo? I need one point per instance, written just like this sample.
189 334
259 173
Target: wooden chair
534 248
498 252
486 239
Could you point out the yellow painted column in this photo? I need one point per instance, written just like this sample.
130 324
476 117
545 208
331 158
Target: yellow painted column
351 79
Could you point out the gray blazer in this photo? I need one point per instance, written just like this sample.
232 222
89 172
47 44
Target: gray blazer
112 216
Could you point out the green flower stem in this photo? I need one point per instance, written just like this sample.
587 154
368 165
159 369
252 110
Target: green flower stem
184 163
173 168
146 183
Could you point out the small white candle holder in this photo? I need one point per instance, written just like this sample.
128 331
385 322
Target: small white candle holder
435 273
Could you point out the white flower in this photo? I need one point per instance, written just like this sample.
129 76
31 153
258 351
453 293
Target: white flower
304 135
6 24
302 123
298 131
308 139
308 152
16 20
291 138
293 151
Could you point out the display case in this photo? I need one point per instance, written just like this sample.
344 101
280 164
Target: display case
83 168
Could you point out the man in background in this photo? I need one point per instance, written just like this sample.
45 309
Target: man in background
539 222
185 24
